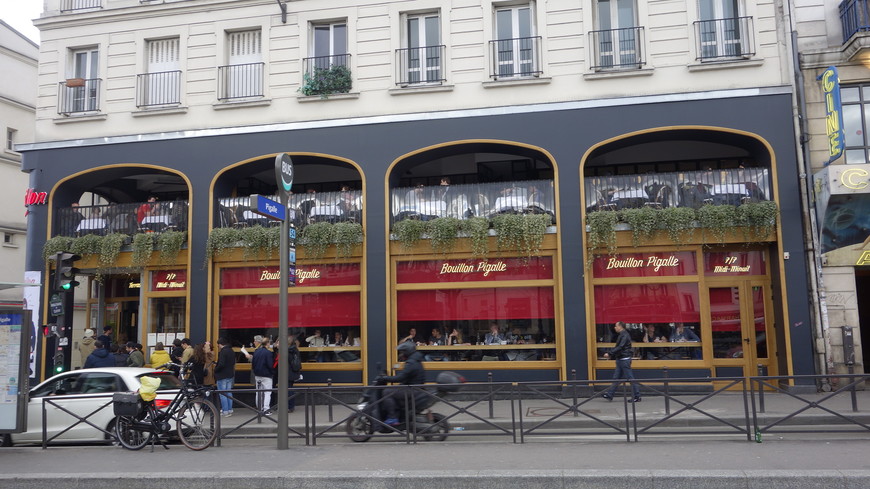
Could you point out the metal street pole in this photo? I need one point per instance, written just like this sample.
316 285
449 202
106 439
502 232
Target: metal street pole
283 344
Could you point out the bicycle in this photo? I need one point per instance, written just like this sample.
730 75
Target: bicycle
195 418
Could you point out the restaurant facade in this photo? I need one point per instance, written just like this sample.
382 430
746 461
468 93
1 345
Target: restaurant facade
713 306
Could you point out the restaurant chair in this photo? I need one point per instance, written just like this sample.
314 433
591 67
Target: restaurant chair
602 203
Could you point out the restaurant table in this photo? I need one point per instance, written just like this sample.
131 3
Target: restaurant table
87 226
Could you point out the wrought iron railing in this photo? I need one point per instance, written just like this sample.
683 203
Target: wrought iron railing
163 88
240 81
78 95
678 189
126 218
420 65
724 38
304 209
854 17
70 5
618 49
470 200
519 57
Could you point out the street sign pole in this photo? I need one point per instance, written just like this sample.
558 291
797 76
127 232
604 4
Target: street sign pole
284 177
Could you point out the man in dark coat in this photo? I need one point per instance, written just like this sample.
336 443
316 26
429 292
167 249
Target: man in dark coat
622 353
225 374
100 357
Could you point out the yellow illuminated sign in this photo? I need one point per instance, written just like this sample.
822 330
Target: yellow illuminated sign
864 259
852 178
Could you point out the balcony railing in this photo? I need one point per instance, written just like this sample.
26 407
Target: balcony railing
724 38
78 95
324 75
679 189
420 65
127 218
162 88
520 57
304 209
472 200
618 49
240 81
855 17
70 5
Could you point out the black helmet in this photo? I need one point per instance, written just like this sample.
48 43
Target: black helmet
406 348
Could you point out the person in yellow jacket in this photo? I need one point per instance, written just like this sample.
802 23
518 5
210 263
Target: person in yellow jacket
160 356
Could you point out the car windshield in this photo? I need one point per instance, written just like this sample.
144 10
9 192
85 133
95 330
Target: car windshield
168 380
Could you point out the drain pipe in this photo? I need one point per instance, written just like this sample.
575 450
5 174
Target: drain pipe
821 332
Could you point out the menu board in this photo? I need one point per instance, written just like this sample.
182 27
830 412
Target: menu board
13 381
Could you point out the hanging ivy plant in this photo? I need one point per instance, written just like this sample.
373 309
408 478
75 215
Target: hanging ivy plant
477 230
316 238
256 243
602 230
142 249
87 246
718 220
443 233
219 241
346 236
409 231
169 243
110 249
758 219
521 232
643 222
679 222
55 245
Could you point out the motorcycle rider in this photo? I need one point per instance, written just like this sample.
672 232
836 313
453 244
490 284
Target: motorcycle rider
413 373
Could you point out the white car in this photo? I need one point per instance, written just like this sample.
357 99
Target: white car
88 394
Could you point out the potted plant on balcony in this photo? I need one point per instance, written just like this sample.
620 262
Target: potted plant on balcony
326 81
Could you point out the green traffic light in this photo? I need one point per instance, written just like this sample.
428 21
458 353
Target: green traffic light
66 286
58 369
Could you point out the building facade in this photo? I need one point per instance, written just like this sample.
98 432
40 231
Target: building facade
832 35
459 169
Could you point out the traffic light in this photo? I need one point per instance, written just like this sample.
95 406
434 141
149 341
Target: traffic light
65 271
49 330
58 362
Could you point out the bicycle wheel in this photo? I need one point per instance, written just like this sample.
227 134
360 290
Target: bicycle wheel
197 424
129 436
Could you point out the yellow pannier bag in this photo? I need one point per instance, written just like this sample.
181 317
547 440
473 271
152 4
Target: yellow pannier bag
148 391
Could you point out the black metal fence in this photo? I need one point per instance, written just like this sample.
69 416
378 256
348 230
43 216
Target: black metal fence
78 95
304 209
742 407
678 189
854 17
127 218
420 65
475 199
618 49
163 88
724 38
240 81
518 57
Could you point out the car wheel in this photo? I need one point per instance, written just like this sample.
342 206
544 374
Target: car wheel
6 440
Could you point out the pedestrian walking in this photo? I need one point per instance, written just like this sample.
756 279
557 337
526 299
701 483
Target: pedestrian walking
225 374
622 353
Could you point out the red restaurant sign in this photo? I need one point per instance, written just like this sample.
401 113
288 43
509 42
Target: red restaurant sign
164 280
307 276
662 264
415 272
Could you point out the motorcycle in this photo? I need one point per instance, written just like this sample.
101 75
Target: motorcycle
429 425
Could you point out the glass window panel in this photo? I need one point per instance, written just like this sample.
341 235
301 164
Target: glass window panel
604 23
525 22
625 13
166 315
339 39
856 156
433 34
726 322
504 28
853 126
760 322
850 94
321 40
413 32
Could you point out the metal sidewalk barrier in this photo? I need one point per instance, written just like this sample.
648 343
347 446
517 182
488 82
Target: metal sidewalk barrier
79 419
815 404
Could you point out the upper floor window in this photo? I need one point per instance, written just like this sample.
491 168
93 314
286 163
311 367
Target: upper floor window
516 50
242 77
617 39
721 32
327 70
856 117
421 60
80 91
10 138
161 82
